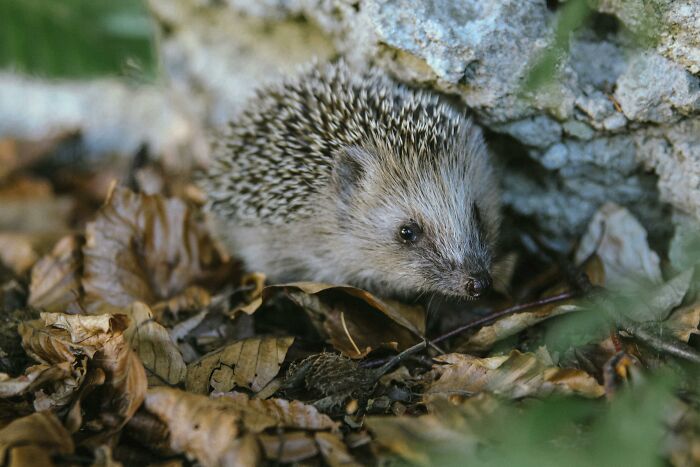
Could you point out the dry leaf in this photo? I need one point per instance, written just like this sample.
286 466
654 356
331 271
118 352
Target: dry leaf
254 300
58 337
289 447
33 439
144 248
104 457
288 414
192 298
510 325
29 206
88 332
449 425
249 363
16 154
55 283
622 246
161 358
225 429
354 319
17 252
516 375
45 344
124 388
334 451
684 322
208 430
34 378
659 301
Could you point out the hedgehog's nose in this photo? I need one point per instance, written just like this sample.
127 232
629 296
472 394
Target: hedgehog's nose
478 284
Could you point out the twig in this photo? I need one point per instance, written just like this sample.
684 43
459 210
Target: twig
505 312
485 320
395 360
656 341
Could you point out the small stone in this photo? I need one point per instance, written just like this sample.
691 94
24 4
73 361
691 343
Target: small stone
579 130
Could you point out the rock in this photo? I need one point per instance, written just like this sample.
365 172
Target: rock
672 26
618 122
216 57
673 152
105 114
539 131
654 89
583 134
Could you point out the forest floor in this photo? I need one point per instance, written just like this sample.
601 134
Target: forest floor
128 335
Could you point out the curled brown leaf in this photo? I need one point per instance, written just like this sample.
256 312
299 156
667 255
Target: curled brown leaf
59 337
33 439
353 319
144 248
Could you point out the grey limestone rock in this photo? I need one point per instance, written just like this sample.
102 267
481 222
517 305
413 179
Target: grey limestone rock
618 123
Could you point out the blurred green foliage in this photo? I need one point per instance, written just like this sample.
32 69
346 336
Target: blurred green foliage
570 17
77 38
629 430
574 14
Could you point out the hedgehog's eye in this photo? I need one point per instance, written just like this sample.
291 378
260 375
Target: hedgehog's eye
409 232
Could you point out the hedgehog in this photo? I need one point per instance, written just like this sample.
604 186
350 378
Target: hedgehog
350 177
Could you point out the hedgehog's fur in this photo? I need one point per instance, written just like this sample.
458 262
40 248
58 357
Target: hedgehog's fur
314 180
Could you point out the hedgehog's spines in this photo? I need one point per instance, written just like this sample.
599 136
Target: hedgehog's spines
280 150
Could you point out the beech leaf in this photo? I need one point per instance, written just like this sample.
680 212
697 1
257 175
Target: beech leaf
160 356
249 363
355 321
144 248
33 439
514 376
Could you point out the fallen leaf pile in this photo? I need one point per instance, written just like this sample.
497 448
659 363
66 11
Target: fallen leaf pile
129 337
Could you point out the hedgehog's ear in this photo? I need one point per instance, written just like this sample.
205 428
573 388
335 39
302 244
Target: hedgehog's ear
350 167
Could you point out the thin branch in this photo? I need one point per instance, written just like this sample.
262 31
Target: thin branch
656 341
505 312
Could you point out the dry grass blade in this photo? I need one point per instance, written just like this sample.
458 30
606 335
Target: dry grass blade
249 363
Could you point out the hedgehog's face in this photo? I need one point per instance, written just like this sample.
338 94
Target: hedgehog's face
423 226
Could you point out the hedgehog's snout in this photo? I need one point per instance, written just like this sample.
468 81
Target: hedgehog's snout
478 284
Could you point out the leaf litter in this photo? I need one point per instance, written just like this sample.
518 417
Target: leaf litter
129 335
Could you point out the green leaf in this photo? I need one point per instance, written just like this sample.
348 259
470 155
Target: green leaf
76 38
571 17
